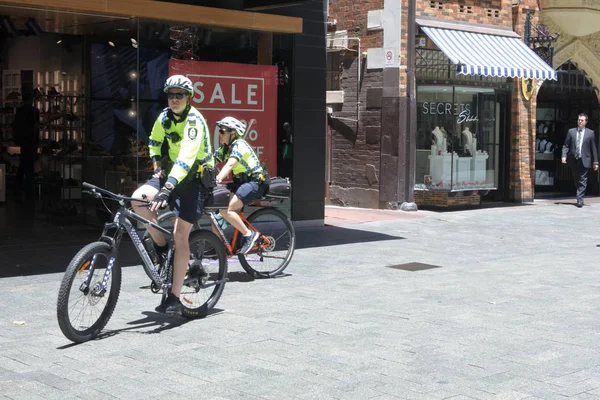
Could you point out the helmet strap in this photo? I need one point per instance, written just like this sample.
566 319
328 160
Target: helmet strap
181 116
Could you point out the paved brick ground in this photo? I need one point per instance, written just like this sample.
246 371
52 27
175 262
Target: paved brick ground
511 314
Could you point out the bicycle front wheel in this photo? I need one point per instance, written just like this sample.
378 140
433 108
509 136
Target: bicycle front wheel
88 292
275 246
206 276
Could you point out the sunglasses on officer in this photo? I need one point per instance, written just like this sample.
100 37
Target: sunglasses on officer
223 130
178 96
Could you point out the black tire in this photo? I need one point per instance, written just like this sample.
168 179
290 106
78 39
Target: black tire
165 220
275 225
206 276
75 305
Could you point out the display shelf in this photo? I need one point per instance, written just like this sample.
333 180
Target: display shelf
11 98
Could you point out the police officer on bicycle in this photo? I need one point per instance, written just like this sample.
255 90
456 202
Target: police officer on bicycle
250 180
188 182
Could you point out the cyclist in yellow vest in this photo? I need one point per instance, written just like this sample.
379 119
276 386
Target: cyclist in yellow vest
186 185
250 180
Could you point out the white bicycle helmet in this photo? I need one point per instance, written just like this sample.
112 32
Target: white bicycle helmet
179 82
235 124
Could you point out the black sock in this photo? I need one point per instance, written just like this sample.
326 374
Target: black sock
161 249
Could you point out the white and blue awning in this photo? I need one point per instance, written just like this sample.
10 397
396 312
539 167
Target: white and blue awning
489 55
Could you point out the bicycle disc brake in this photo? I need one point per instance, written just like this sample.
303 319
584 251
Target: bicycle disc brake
270 246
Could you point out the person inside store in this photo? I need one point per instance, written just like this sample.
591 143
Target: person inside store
286 151
26 133
187 184
250 180
579 151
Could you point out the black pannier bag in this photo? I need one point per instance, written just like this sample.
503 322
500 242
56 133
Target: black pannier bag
219 197
280 188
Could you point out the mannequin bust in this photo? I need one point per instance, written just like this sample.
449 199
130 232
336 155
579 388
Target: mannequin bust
439 138
444 132
468 136
470 141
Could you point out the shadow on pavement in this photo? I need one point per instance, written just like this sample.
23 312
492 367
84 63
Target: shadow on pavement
53 255
37 259
307 238
160 322
562 203
239 276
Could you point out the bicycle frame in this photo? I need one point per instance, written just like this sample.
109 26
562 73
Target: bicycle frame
230 247
122 224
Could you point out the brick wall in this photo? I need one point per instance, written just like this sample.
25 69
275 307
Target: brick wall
351 151
355 161
490 12
352 17
438 199
522 140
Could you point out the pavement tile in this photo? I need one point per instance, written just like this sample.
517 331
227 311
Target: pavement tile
499 319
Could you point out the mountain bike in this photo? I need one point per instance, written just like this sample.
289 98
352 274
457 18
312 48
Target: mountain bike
273 250
91 284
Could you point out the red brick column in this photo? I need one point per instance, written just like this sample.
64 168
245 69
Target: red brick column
522 136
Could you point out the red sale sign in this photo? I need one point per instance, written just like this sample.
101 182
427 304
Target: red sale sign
244 91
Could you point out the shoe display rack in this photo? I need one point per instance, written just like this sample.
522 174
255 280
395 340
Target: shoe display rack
11 97
62 141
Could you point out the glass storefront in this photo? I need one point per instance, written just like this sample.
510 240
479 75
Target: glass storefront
458 137
97 82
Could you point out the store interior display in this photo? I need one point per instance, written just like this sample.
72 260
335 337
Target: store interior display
99 93
450 168
545 148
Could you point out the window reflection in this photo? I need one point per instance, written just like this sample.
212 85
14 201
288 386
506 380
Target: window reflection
457 138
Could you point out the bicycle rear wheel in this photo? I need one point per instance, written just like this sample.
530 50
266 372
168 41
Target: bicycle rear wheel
83 310
275 246
206 276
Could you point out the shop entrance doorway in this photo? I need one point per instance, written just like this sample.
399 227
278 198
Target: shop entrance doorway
558 104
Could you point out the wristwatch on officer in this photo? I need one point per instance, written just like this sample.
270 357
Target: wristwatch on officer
169 186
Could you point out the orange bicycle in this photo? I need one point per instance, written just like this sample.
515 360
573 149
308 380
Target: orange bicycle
273 250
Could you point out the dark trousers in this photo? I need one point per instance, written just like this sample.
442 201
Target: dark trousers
26 171
580 178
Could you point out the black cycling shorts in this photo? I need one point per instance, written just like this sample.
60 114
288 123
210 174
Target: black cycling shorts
248 192
187 199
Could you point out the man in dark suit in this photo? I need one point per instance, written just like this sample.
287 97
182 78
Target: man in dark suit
581 153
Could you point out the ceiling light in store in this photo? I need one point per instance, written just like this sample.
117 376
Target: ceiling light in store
33 27
9 27
133 75
133 41
59 41
207 37
111 43
164 33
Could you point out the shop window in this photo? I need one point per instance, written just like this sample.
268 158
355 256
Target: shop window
458 138
334 70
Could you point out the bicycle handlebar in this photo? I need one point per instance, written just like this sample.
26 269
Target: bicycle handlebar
114 196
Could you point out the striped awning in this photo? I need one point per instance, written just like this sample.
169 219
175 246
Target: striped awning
489 55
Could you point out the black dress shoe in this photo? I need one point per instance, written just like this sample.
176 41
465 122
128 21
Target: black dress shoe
579 203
